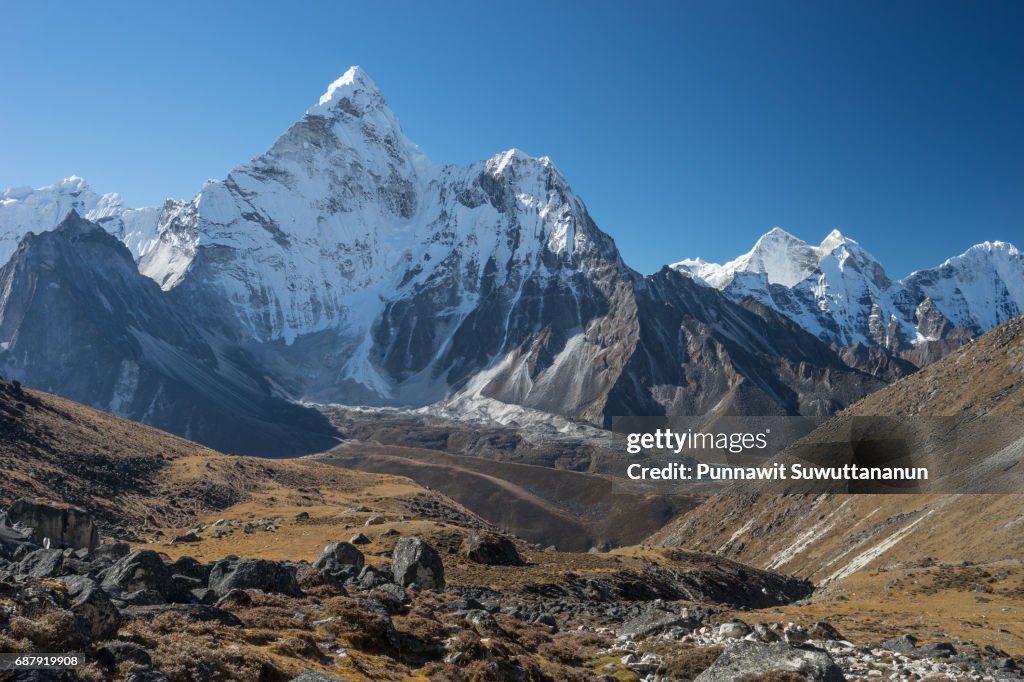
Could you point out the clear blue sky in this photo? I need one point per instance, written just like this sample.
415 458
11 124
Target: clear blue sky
688 128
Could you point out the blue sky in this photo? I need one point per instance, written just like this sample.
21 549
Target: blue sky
688 128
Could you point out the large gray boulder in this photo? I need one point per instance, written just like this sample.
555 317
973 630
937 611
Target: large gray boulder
253 574
92 604
415 562
59 525
491 549
141 571
742 658
340 561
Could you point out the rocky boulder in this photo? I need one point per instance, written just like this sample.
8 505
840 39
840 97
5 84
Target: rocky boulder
491 549
58 525
140 571
92 604
652 621
743 658
253 574
42 563
414 562
339 561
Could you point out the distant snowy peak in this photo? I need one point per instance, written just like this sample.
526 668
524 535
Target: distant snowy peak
783 259
841 293
27 209
983 287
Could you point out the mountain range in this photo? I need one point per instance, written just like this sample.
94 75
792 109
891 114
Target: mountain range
344 266
842 294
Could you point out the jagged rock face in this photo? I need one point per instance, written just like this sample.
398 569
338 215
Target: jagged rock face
77 318
840 293
699 355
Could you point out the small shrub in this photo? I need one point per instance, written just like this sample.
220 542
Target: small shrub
51 631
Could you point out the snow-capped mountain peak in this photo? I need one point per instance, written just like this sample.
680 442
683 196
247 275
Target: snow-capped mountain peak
841 293
344 227
354 85
830 243
781 257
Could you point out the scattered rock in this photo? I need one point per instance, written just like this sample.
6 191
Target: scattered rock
360 539
191 536
147 674
41 563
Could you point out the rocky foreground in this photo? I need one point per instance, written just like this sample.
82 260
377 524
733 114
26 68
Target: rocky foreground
416 611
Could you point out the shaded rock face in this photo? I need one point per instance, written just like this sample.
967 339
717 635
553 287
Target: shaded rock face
56 525
414 562
77 318
699 353
253 574
754 658
491 549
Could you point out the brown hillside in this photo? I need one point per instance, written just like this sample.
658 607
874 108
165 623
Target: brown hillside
136 477
828 537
